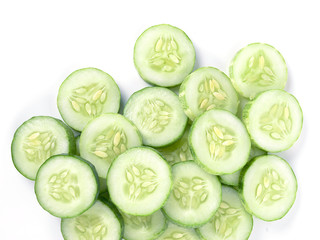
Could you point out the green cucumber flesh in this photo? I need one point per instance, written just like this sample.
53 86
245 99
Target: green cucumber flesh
36 140
231 221
158 115
66 186
274 120
77 145
174 232
219 142
207 88
164 55
195 196
256 68
268 187
86 94
106 137
98 222
144 227
234 178
139 181
179 151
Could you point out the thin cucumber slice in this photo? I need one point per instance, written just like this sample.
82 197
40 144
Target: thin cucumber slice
268 187
174 232
207 88
36 140
231 221
164 55
274 120
66 186
219 142
98 222
158 115
179 151
86 94
144 227
106 137
256 68
195 197
234 178
139 181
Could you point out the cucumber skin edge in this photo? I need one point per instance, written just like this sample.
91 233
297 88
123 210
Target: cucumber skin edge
69 133
93 171
241 184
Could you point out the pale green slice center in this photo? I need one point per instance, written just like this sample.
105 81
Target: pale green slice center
90 227
138 222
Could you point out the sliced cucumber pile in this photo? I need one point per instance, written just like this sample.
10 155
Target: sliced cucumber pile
231 221
207 88
219 142
179 151
144 227
139 181
164 55
166 192
158 115
36 140
98 222
274 120
195 196
268 187
174 232
256 68
85 94
233 178
66 186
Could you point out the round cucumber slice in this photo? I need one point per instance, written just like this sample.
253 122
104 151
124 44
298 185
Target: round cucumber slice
195 197
219 142
207 88
274 120
158 115
99 222
164 55
231 221
268 187
36 140
144 227
256 68
174 232
139 181
179 151
234 178
86 94
106 137
66 186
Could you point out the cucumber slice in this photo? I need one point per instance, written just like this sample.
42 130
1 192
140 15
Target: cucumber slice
99 222
179 151
66 186
268 187
174 232
36 140
164 55
86 94
139 181
77 139
231 221
256 68
144 227
207 88
219 142
234 178
106 137
158 115
274 120
195 197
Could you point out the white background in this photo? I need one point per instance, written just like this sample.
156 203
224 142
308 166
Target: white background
41 42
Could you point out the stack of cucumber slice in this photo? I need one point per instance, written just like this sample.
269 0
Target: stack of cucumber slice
174 167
